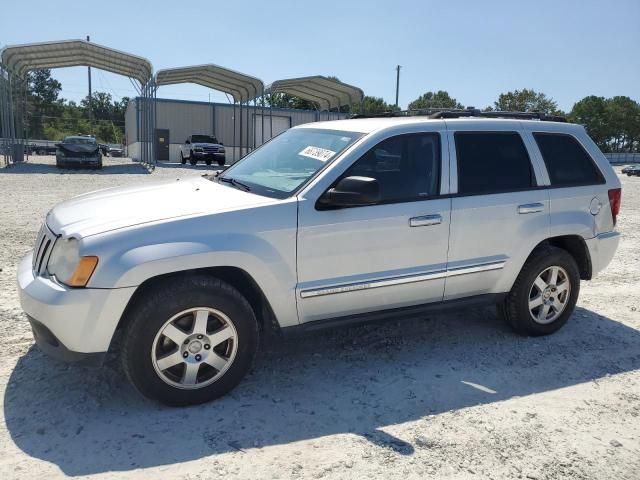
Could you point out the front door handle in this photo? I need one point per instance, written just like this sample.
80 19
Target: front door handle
530 208
425 220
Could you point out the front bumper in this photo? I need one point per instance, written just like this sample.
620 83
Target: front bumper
209 154
602 248
92 161
72 324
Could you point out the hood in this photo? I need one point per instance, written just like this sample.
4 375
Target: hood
78 147
121 207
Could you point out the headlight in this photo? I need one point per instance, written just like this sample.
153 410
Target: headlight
221 149
60 153
68 266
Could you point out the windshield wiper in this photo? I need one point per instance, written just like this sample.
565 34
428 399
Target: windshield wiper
235 183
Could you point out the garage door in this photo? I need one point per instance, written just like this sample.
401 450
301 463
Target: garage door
280 124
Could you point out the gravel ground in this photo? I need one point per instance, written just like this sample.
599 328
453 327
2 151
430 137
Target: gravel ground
450 396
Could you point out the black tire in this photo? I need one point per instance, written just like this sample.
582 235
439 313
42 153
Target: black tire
182 159
149 314
221 163
208 162
516 305
193 160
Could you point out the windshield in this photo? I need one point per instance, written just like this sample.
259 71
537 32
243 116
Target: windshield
203 139
282 165
80 140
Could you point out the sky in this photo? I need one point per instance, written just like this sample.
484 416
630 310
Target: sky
475 50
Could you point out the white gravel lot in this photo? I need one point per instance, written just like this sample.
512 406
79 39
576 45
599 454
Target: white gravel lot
455 395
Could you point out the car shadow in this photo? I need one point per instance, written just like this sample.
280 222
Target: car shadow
110 167
358 380
198 166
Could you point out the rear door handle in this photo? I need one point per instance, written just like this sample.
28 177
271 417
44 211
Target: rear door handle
530 208
425 220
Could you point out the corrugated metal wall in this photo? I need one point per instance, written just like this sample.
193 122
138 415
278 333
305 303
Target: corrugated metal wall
184 118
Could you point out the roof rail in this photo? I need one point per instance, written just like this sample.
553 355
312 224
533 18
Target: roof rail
463 113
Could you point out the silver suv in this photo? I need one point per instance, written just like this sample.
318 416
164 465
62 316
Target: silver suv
327 224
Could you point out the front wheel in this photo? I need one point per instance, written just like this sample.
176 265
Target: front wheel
182 159
545 293
189 341
221 163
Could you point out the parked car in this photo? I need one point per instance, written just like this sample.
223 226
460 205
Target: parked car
633 171
202 147
78 151
115 151
327 224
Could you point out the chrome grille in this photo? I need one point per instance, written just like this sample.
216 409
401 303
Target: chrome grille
210 149
42 250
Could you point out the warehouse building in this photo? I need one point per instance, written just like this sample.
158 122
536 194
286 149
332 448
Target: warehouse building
177 119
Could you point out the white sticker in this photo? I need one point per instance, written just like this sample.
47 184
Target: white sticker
318 153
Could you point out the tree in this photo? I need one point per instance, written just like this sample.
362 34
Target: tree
42 100
373 105
439 99
526 100
592 112
284 100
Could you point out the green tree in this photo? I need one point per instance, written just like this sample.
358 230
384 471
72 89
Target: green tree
439 99
284 100
373 105
526 100
592 112
624 121
43 104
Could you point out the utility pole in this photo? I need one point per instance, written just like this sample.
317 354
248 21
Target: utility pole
397 82
90 96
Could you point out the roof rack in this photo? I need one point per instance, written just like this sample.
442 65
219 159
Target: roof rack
463 113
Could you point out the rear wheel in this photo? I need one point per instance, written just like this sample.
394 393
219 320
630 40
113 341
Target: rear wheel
189 341
192 160
182 159
545 293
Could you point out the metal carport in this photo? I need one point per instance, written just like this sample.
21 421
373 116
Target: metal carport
328 94
16 61
243 88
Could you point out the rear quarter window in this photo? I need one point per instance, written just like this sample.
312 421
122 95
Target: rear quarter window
567 162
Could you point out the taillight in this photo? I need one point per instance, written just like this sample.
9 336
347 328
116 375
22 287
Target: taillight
615 196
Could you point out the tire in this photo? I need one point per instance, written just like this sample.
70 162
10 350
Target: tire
221 163
166 304
182 159
193 160
527 287
208 162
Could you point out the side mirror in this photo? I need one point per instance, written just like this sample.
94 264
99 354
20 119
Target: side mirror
58 145
351 192
221 143
187 142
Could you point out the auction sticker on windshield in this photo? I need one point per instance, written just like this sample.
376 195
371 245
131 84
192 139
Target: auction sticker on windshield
318 153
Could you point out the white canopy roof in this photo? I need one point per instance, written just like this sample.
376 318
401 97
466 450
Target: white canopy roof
74 53
241 86
325 92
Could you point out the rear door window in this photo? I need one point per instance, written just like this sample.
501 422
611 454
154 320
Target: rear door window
568 163
492 162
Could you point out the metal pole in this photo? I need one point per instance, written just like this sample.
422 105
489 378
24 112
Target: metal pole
262 115
397 83
234 130
90 95
241 141
270 115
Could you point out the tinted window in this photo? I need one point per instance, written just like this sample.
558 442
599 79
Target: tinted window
492 162
407 167
567 162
